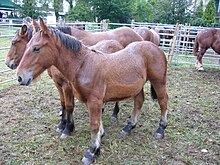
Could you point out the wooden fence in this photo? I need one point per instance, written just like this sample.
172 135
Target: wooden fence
176 40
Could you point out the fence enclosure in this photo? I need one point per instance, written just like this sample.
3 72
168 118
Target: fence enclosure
176 40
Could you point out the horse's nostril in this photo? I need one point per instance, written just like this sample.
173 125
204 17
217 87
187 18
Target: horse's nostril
19 79
13 66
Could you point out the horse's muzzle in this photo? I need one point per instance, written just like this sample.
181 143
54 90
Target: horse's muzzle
25 79
11 64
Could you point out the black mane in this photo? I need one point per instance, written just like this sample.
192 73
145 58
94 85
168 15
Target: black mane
68 41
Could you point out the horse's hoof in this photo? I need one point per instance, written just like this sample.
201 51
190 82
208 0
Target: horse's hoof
63 136
201 69
87 161
124 133
114 119
59 130
159 136
90 157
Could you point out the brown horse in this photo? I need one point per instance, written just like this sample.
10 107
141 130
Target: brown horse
148 34
124 35
205 39
97 78
64 89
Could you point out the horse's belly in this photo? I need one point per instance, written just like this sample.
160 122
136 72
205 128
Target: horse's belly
122 91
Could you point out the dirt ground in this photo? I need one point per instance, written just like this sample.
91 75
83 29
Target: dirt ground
29 116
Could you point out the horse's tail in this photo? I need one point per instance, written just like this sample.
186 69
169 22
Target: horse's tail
196 47
153 93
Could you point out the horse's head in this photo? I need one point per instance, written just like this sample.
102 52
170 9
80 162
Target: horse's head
36 57
18 45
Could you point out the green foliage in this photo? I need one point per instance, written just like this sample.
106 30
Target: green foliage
209 14
199 11
163 11
197 22
143 11
81 12
114 10
30 8
171 12
70 3
57 7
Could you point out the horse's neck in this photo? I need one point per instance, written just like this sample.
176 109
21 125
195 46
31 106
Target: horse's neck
69 63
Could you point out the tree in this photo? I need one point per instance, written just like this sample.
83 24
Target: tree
33 8
197 18
163 11
143 11
114 10
70 3
29 9
172 11
209 14
81 12
57 5
199 10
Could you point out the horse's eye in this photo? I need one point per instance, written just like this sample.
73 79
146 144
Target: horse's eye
37 50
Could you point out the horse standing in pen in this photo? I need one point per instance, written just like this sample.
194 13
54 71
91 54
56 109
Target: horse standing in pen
98 78
148 34
205 39
124 35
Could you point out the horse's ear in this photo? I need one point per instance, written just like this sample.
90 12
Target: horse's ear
35 25
23 30
43 27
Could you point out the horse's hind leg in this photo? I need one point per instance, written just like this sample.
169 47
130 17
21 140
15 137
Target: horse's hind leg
200 54
69 107
160 89
138 102
114 116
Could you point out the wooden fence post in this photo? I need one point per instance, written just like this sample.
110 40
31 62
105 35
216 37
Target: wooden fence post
170 57
104 25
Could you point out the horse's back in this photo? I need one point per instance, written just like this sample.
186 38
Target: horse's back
145 51
144 32
107 46
124 35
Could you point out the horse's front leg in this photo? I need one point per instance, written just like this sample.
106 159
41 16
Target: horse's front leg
97 131
138 102
69 107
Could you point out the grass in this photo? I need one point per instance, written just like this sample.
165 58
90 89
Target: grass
29 116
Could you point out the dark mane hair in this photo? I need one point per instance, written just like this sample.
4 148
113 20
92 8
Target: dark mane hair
64 29
30 33
68 41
